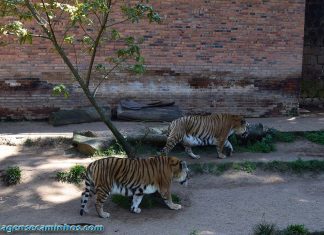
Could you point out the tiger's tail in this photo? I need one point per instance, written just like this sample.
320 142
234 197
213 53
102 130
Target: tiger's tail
89 188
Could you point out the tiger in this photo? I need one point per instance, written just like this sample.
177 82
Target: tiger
201 130
132 177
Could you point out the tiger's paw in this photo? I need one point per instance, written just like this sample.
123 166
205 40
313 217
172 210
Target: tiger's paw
221 156
104 215
174 206
136 210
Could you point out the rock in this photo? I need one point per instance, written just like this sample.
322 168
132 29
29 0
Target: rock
75 116
89 145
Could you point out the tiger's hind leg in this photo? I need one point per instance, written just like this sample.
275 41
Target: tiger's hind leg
189 152
102 196
136 202
170 144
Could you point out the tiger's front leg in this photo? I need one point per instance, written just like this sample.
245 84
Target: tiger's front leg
228 148
168 200
190 153
220 147
135 203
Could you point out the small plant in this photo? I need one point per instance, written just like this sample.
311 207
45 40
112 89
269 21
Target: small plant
75 175
264 229
295 229
28 142
12 176
194 232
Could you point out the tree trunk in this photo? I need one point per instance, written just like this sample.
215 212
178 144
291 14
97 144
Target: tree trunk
126 146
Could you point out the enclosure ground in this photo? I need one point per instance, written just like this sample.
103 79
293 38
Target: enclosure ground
228 204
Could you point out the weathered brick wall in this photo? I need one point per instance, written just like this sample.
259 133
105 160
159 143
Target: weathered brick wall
239 56
312 86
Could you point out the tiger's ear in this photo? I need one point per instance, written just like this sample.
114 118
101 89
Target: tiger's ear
243 122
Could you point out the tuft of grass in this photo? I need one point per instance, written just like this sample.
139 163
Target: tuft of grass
264 229
75 175
12 175
316 137
148 201
295 229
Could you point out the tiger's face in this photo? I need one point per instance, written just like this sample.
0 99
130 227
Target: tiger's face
180 170
240 126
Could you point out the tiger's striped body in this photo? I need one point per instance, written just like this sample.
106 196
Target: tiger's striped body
132 177
204 130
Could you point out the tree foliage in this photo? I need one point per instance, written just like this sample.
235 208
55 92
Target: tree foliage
82 26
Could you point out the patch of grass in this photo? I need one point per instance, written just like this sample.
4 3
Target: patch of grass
287 137
12 176
220 168
148 201
265 145
114 149
299 166
75 175
295 229
271 229
264 229
47 142
316 137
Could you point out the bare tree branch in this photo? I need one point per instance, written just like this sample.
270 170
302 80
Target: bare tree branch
105 77
119 22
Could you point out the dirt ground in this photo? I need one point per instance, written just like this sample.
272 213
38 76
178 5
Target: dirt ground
227 204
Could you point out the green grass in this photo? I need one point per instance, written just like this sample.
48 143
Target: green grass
12 176
298 167
75 175
149 201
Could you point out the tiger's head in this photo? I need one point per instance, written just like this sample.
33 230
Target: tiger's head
180 170
239 125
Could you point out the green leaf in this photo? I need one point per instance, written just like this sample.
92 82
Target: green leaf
115 34
69 39
61 89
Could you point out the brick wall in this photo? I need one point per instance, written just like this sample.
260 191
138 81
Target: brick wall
312 86
239 56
